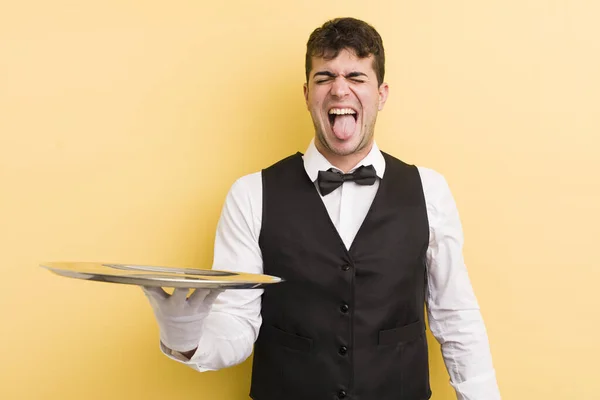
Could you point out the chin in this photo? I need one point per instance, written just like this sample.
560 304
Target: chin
346 147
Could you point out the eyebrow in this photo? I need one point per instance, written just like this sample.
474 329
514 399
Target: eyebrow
330 74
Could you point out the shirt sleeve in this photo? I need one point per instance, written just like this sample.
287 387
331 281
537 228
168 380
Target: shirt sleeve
232 326
453 312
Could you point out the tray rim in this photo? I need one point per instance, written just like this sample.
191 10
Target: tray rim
157 280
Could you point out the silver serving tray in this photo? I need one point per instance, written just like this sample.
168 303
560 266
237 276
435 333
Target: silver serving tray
157 276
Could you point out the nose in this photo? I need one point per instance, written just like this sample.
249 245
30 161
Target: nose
340 87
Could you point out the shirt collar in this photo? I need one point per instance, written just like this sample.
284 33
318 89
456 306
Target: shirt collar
315 161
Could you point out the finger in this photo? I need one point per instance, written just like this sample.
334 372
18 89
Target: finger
179 295
212 296
198 296
205 297
156 293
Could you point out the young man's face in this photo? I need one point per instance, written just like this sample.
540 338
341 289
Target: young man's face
343 97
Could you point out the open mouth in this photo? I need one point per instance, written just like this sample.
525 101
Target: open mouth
342 122
337 112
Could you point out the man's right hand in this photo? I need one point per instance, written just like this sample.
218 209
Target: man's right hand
180 318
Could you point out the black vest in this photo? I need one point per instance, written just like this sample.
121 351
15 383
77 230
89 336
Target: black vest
345 324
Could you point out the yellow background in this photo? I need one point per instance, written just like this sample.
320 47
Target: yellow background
124 123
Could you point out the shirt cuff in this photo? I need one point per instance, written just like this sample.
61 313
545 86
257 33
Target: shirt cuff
179 357
480 387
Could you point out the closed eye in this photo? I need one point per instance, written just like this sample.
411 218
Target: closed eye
323 76
327 76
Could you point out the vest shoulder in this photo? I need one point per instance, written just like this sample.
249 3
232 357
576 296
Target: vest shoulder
424 172
430 178
289 160
394 162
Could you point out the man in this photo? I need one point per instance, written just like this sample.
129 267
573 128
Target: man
363 241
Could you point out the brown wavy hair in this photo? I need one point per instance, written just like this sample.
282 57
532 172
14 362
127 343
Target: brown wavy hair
346 33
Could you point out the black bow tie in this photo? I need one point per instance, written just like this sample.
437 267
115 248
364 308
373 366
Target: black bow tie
330 180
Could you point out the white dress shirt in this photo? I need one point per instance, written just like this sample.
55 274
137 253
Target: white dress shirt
453 312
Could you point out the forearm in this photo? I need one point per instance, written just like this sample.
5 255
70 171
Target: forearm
227 341
456 322
465 348
189 354
228 333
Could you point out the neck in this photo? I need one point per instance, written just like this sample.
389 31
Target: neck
344 162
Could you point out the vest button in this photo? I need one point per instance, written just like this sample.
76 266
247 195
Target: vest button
342 394
345 267
344 308
343 350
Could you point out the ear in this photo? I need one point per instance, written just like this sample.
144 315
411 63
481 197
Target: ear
383 95
306 94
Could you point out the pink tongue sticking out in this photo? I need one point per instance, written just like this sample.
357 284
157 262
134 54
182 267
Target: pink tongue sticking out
343 126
